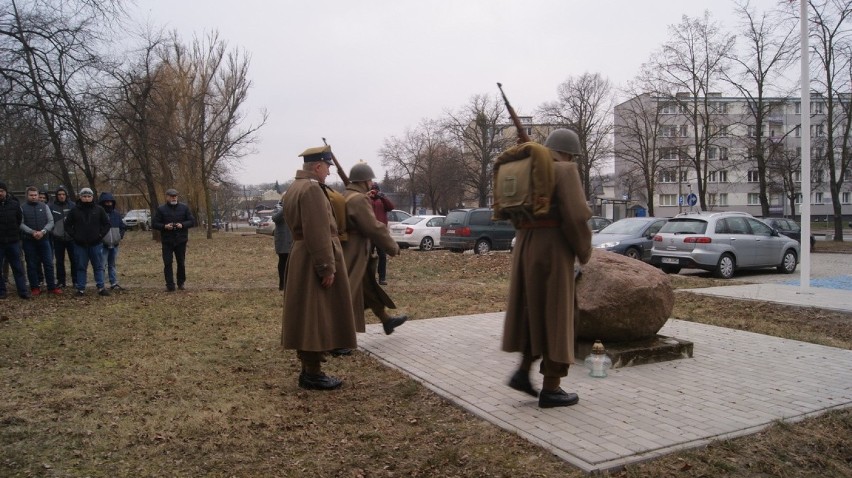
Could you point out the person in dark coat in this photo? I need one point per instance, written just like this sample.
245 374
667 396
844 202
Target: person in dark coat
112 239
318 313
62 242
381 205
87 224
10 242
173 219
540 313
283 242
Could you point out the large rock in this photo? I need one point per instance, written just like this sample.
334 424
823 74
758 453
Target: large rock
621 299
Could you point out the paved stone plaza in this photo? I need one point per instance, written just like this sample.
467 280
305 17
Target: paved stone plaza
737 383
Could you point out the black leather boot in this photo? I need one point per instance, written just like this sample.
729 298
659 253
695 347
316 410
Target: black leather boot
520 381
393 323
318 381
557 398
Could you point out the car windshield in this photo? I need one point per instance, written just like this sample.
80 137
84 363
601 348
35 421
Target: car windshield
685 226
624 227
454 217
413 220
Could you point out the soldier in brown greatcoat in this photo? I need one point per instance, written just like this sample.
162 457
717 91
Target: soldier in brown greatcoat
365 230
317 303
540 314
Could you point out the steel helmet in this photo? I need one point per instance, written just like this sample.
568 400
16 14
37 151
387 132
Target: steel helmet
361 172
564 140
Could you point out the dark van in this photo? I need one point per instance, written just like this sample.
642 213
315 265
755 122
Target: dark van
474 229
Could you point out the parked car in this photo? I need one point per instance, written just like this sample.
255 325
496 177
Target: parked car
474 229
254 221
137 218
722 242
596 223
396 216
266 226
632 236
418 231
789 228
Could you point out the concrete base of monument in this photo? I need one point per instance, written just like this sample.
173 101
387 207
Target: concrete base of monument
638 352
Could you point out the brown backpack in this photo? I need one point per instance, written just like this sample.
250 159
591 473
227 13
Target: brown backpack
523 182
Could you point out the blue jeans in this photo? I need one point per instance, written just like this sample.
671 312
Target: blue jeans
110 255
39 254
11 253
82 256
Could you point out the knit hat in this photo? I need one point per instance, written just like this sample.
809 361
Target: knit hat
86 191
3 186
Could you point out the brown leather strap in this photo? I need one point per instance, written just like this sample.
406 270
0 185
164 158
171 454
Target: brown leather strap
538 224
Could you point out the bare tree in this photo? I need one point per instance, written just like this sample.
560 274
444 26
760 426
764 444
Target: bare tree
49 52
585 104
691 63
770 48
212 87
830 45
477 130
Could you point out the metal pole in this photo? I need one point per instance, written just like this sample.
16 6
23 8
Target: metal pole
805 271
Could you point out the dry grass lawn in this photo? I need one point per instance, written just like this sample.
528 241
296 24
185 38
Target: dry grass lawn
193 383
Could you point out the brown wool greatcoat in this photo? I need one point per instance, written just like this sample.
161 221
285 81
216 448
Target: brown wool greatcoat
540 312
315 319
364 229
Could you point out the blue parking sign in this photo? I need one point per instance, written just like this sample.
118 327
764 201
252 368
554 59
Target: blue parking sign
680 200
692 199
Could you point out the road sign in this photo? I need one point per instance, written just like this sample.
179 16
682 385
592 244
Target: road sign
692 199
680 200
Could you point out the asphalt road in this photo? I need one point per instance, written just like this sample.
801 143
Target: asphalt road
827 270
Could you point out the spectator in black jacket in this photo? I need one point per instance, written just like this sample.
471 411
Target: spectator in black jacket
62 242
87 224
10 242
173 219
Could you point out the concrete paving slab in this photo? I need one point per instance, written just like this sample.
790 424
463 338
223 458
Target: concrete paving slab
736 384
822 297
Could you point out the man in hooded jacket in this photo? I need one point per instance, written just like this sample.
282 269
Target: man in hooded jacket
112 238
62 242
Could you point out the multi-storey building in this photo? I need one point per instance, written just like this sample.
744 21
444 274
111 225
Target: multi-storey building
658 131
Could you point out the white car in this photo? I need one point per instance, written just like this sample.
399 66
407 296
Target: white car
266 226
396 216
418 231
137 218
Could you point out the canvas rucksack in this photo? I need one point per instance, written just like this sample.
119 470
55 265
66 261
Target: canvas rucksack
523 182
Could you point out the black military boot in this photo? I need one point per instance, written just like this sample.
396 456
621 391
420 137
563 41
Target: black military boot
557 398
393 322
520 381
318 381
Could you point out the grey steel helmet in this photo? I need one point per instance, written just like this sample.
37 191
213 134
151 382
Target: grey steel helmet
564 140
361 172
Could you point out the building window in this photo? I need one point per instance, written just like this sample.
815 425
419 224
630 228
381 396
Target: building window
723 131
684 131
817 130
819 175
797 131
723 199
668 177
798 198
798 108
723 176
684 176
753 176
669 153
750 153
711 177
719 108
669 131
817 108
797 176
712 198
723 154
668 199
752 131
818 153
669 109
753 199
711 152
844 197
818 198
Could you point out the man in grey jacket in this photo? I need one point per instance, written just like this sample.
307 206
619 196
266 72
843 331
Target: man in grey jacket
61 240
35 231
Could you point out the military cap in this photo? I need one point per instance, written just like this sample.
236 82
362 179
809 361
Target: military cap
320 153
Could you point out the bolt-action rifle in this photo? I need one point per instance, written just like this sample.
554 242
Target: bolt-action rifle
523 137
340 171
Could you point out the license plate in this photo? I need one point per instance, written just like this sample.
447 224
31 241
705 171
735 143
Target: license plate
451 231
670 260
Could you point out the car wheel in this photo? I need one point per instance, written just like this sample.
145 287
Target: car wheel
427 244
670 269
788 263
725 267
633 253
482 246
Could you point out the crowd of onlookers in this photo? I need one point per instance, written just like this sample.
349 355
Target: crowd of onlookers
44 232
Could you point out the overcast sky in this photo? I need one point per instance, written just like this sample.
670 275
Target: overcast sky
357 72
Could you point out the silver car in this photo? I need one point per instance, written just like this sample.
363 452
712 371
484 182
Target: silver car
722 242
